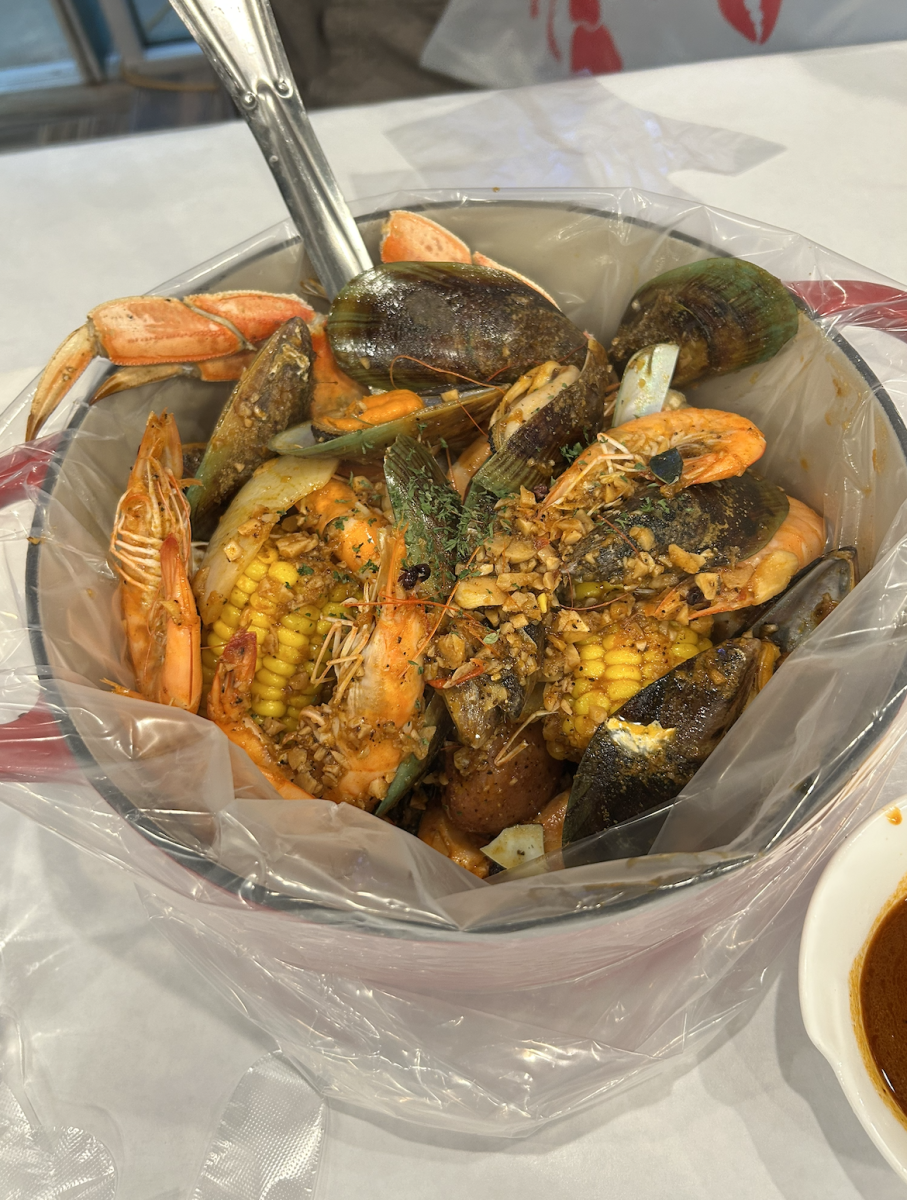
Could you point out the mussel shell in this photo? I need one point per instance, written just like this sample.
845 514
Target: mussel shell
790 618
429 509
463 321
724 313
412 769
576 414
699 700
274 392
452 420
732 517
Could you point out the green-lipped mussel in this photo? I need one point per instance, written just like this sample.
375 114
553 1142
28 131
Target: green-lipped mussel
724 522
724 313
274 392
450 421
419 325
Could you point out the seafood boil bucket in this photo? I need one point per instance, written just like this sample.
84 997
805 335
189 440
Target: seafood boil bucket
398 981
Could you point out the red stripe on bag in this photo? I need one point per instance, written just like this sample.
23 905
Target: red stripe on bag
875 305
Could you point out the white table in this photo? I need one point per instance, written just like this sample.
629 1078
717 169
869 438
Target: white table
97 992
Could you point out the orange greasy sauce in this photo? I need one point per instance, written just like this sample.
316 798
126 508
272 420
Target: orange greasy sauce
883 1001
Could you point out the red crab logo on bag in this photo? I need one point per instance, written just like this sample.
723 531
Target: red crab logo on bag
592 48
755 19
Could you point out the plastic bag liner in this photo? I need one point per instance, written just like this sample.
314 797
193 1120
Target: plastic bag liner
396 980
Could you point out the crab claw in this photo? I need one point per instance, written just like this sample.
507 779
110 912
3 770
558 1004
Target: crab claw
157 335
410 237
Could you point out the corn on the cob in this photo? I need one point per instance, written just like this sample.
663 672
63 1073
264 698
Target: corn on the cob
614 664
284 682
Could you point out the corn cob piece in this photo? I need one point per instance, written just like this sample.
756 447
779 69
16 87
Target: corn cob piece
284 680
614 664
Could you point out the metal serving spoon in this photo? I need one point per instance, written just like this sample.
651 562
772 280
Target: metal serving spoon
241 41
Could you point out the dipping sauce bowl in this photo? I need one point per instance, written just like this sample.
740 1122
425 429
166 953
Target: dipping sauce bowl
862 882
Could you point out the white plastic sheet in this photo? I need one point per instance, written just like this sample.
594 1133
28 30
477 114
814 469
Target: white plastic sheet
400 983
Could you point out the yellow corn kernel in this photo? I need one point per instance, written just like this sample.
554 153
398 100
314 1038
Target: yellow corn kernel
246 584
705 644
334 610
261 603
587 653
684 650
266 692
322 628
340 591
568 727
215 640
581 687
230 614
284 573
608 641
628 657
290 637
209 657
623 671
256 570
261 619
622 689
297 623
688 635
271 678
260 633
587 704
285 669
268 708
585 727
238 598
223 630
289 654
592 669
543 603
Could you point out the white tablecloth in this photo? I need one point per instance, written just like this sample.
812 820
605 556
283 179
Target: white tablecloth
121 1036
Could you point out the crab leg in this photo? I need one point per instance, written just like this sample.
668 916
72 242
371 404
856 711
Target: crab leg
156 335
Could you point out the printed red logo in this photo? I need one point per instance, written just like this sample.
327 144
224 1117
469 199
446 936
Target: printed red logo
592 49
755 19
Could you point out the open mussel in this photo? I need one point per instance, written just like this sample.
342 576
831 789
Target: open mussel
420 325
813 593
432 419
531 431
650 749
725 521
724 313
274 392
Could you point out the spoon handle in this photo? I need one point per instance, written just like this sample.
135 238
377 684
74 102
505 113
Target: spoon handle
241 41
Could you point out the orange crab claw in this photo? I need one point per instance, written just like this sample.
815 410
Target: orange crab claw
410 237
156 334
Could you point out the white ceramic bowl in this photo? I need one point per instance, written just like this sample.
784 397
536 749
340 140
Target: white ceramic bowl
857 888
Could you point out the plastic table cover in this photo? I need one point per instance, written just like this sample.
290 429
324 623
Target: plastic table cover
64 1090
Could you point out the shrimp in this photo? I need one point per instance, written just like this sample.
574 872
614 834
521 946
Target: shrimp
714 444
384 698
349 527
150 545
799 540
230 706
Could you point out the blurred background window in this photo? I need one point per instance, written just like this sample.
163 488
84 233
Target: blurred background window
73 69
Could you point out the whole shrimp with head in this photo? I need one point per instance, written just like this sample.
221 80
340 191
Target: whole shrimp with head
150 546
